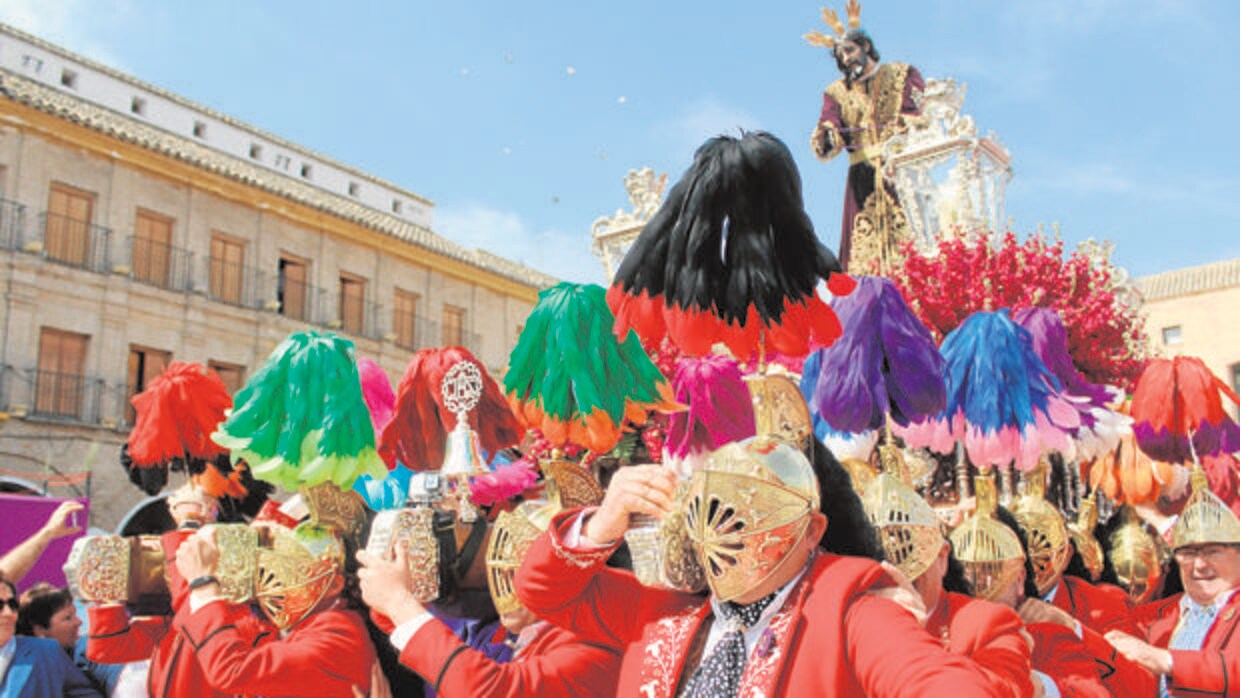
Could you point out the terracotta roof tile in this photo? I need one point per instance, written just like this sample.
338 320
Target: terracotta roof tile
1186 282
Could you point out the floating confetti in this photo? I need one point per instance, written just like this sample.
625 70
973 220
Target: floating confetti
464 71
622 99
508 58
570 70
507 150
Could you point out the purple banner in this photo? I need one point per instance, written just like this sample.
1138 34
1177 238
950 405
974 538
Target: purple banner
23 515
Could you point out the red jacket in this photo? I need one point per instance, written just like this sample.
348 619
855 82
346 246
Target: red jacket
556 663
1101 609
326 654
116 638
989 635
1059 653
1215 670
829 638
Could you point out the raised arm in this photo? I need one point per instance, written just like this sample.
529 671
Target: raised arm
18 561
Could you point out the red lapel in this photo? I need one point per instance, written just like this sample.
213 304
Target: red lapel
665 647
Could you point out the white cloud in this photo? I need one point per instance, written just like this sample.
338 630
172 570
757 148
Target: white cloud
506 233
76 25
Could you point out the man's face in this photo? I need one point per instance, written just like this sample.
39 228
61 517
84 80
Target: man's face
1208 570
8 614
1014 594
63 627
851 58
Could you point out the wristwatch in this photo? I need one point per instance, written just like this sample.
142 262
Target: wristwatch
204 580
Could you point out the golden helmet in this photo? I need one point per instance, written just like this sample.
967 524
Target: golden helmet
1081 532
906 524
1138 558
297 570
990 552
1045 530
512 536
1206 518
747 509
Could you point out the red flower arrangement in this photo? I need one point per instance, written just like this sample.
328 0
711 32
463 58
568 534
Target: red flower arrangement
968 272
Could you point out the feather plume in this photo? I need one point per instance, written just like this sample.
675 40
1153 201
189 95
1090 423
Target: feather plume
731 257
390 492
503 482
1179 397
301 419
417 434
720 409
377 392
1002 402
177 413
1101 426
572 380
885 363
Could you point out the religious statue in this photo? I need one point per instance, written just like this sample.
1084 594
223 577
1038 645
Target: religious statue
860 112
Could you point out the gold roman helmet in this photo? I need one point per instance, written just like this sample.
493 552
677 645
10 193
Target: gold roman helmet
779 410
1044 529
860 473
747 509
906 524
298 569
1138 558
1205 519
989 551
1081 532
512 536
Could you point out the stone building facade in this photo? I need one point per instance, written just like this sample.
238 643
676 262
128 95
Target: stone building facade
1196 312
137 228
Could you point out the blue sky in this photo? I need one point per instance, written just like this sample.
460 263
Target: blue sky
520 119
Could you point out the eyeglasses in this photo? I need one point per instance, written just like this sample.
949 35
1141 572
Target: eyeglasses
1209 553
12 603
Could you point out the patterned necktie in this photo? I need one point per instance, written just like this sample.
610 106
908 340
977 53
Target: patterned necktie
1191 632
719 674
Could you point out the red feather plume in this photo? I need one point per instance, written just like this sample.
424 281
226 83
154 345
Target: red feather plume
416 436
177 413
1178 399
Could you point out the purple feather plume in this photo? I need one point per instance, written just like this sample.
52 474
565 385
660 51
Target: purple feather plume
884 363
1101 427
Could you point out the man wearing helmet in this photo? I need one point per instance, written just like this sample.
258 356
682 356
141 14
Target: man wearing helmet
1190 637
778 607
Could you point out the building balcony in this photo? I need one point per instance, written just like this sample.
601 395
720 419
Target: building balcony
12 224
158 264
68 241
234 284
49 395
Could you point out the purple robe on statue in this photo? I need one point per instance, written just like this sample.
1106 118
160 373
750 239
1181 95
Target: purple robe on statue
859 118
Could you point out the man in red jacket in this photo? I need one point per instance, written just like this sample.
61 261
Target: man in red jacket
990 635
547 661
116 638
781 619
1190 637
313 646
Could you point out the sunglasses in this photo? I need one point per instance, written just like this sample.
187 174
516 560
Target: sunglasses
13 604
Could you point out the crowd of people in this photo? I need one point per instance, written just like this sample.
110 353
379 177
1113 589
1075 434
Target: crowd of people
781 613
